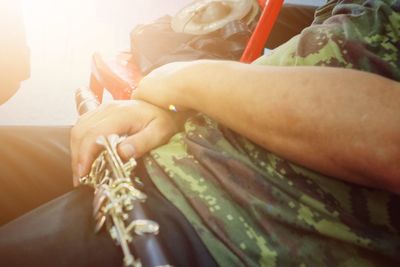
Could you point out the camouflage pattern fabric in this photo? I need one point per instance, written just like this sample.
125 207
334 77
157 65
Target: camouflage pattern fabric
253 208
363 35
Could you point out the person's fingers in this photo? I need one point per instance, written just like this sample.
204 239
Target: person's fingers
79 136
147 126
84 150
86 154
88 149
154 134
77 133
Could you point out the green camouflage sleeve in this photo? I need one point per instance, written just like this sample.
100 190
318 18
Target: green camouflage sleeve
253 208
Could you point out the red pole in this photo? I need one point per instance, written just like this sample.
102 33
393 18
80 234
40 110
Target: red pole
255 46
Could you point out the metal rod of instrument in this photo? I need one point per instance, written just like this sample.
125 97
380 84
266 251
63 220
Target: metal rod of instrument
147 247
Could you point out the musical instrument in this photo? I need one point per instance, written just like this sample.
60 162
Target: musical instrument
118 203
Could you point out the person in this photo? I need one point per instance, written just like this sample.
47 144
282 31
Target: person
290 161
14 53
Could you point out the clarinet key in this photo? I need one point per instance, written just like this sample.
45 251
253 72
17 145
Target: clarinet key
99 223
99 202
142 227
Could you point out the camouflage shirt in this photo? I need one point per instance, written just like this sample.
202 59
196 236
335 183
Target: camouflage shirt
253 208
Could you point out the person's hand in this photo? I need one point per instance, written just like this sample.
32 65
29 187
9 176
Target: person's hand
146 126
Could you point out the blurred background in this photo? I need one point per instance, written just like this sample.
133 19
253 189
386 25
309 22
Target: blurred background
62 35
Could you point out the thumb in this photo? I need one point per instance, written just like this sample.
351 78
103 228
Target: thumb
140 143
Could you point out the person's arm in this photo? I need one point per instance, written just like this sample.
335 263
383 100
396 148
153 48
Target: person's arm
343 123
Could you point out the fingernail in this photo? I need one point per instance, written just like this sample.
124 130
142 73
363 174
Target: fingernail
128 150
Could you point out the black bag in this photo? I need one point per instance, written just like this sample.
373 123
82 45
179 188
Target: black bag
156 44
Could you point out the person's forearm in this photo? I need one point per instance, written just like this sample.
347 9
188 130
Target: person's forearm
343 123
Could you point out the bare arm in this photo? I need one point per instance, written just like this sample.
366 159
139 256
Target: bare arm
343 123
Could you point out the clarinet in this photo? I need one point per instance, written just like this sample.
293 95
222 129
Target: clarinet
118 204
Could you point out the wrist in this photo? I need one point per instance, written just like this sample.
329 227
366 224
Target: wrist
195 83
185 85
